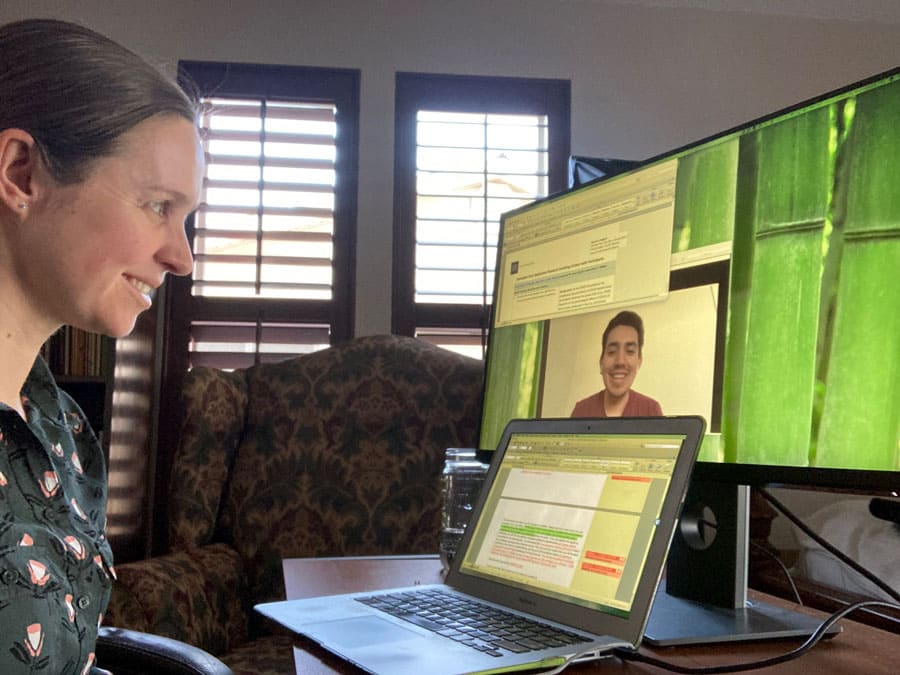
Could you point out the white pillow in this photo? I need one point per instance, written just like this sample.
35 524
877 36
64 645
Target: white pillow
848 526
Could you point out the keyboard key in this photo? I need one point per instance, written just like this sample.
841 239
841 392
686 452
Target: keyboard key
481 627
510 646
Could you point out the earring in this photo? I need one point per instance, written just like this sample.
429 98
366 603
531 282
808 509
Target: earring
22 205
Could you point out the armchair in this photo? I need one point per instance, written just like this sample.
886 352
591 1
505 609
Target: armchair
338 452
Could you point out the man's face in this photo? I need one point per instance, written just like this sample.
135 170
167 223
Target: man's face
620 361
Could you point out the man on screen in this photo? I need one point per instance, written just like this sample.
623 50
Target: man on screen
623 342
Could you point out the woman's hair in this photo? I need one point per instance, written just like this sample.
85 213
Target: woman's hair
76 92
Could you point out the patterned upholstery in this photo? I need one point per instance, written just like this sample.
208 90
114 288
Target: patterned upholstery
334 453
215 411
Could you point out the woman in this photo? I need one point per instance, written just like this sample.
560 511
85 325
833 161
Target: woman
100 164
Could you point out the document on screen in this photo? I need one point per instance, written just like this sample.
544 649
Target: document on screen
607 245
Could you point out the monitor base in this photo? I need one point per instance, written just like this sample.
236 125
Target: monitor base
674 621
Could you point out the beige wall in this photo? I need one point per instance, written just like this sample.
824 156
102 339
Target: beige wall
645 79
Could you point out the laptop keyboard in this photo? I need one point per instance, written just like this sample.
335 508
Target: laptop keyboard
482 627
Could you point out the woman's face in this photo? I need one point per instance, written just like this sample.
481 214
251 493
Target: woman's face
101 248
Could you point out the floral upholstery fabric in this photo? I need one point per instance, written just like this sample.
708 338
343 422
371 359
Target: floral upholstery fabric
345 452
196 595
214 412
338 452
268 655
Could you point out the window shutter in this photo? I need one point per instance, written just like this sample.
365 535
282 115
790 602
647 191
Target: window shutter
471 168
266 225
467 150
264 235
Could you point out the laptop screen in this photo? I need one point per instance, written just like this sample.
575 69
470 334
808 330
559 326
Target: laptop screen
572 516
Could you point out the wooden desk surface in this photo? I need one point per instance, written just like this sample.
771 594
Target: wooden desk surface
858 649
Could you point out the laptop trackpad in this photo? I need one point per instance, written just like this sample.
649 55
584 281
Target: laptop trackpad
362 632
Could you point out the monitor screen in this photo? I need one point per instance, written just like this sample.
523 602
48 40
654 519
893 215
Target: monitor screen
762 264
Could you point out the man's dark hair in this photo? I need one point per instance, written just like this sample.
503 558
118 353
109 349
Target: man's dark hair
626 318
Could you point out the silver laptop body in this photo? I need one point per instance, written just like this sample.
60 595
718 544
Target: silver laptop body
571 529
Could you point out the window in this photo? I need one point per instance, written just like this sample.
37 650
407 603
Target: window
274 236
467 150
274 239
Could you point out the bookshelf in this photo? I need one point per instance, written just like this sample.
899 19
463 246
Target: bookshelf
82 364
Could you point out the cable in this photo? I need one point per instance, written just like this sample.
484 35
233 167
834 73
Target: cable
580 657
840 555
787 572
813 639
811 642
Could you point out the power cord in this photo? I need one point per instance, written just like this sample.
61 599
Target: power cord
812 641
787 573
581 657
814 638
836 552
631 655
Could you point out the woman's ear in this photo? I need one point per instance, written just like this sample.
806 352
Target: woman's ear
18 159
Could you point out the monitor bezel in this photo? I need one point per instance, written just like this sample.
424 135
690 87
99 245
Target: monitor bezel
851 480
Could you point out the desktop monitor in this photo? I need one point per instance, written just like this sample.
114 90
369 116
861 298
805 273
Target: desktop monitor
763 262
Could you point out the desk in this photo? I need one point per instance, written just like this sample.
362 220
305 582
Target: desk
859 649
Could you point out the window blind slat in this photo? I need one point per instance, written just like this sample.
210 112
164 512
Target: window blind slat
268 235
208 209
252 110
265 260
273 285
213 183
231 345
270 137
269 162
466 341
272 332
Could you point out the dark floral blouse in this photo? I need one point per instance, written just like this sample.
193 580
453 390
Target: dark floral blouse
55 562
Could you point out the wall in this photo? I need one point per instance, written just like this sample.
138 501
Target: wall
645 77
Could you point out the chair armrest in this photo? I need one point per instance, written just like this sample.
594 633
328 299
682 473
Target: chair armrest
129 652
197 596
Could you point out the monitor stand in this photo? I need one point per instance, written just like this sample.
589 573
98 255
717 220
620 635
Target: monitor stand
703 598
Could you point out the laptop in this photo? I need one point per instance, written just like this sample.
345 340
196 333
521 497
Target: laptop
561 559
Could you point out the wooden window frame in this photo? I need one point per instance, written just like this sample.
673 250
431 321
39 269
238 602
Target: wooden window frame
460 93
